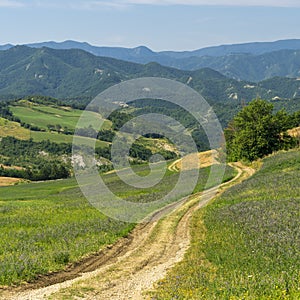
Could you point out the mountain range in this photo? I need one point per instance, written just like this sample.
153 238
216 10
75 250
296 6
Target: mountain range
249 61
74 72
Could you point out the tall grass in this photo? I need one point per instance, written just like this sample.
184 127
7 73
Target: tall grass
246 245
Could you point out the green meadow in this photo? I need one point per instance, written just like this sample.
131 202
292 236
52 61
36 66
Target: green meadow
246 244
42 115
46 225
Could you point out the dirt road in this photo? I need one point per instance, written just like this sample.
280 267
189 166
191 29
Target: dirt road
130 267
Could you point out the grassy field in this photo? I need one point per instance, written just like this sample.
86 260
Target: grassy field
246 245
9 128
46 225
42 115
38 136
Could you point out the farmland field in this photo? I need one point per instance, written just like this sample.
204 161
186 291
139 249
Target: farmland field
9 128
55 137
42 115
46 225
246 245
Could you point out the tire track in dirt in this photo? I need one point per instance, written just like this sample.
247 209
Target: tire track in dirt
130 267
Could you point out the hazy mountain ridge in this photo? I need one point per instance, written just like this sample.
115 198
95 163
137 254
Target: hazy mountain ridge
284 63
249 61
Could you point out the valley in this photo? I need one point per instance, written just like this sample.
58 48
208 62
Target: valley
235 236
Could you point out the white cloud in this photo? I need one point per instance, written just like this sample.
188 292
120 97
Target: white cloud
123 4
270 3
8 3
102 4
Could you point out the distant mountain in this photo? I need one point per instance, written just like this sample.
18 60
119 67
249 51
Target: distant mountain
77 73
142 52
250 61
6 47
255 48
284 63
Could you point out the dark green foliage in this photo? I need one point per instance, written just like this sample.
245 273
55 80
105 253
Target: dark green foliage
102 135
104 152
200 139
118 119
14 147
6 113
42 170
45 100
27 154
139 151
256 132
295 119
106 135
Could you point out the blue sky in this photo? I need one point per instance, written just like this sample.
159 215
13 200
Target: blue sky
158 24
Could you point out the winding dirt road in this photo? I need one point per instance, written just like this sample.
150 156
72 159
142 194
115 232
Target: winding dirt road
129 268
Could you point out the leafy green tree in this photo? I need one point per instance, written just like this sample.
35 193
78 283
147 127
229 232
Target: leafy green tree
256 132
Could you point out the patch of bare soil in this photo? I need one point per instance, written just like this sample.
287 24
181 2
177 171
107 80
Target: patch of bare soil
205 159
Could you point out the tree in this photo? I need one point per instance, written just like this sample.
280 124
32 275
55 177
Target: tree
256 132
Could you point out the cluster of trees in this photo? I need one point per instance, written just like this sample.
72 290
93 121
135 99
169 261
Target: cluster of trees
46 170
257 131
60 129
119 118
12 147
39 160
140 152
6 113
103 135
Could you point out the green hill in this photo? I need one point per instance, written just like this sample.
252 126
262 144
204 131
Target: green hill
76 73
245 245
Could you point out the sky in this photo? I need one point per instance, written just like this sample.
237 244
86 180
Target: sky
158 24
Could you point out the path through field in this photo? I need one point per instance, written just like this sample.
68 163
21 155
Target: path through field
130 267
